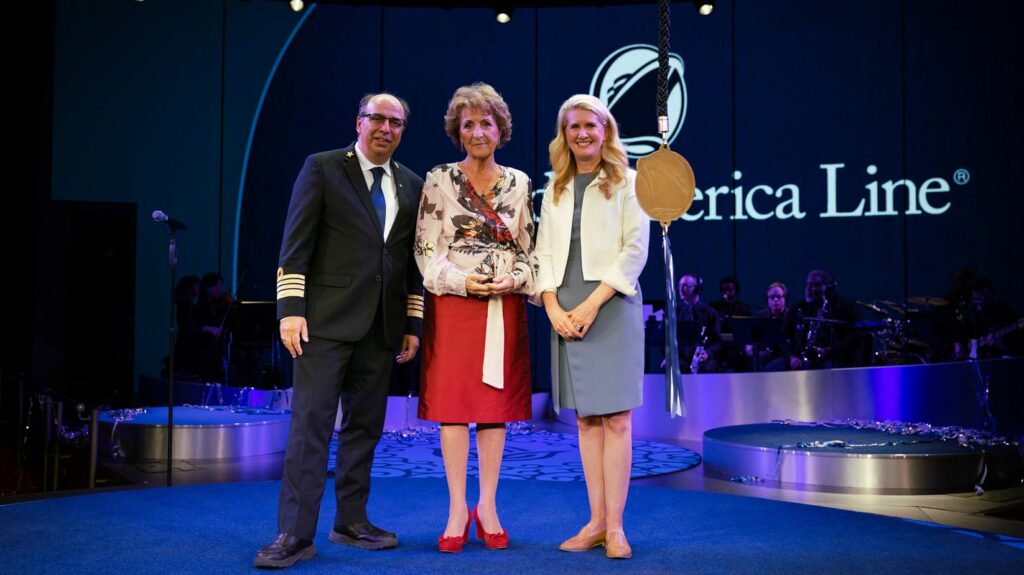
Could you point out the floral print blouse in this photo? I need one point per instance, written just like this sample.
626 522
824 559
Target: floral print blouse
458 232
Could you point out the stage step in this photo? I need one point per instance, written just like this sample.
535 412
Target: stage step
835 457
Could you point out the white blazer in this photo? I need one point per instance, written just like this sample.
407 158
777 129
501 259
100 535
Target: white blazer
614 234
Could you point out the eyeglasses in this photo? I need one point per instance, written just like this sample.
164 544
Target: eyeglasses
377 120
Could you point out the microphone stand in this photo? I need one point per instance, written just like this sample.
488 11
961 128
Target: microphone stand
172 257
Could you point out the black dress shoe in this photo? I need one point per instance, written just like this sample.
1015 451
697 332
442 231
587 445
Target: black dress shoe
364 536
284 551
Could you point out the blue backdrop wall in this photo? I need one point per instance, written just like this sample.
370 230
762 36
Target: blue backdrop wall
876 139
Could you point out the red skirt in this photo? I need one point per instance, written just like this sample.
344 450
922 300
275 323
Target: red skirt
451 387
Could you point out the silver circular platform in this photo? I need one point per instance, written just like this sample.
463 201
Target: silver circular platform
877 462
199 433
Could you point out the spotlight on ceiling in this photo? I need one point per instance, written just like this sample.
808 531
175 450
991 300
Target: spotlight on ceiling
503 13
296 5
705 7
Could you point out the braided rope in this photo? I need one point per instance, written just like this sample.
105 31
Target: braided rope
663 67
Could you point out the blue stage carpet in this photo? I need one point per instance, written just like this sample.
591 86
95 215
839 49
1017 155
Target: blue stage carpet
532 454
218 528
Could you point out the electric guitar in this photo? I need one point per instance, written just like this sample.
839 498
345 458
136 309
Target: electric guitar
993 336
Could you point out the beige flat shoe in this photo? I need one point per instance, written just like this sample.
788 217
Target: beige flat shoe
616 546
582 542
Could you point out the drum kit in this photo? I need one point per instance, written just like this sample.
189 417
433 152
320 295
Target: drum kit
898 330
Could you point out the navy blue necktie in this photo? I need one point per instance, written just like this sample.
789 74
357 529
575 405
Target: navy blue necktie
377 193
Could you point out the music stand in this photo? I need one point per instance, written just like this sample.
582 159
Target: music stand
760 332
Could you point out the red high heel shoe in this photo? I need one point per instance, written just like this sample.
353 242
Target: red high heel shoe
491 540
454 544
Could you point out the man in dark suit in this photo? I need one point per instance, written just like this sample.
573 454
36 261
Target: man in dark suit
349 295
695 318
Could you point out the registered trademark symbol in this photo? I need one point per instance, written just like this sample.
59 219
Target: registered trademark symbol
961 176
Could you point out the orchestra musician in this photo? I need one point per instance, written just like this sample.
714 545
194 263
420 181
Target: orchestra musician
820 330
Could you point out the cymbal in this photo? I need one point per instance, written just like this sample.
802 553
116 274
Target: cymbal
872 307
823 320
893 305
927 300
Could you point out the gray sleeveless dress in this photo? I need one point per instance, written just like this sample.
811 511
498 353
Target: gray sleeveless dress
602 373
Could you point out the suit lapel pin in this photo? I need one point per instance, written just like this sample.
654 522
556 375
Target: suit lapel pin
350 154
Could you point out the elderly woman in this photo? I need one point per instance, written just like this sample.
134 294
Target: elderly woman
474 246
592 246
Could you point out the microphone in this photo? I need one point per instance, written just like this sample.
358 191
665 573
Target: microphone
174 224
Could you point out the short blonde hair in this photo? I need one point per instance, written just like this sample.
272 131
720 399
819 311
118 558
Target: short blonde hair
481 97
613 154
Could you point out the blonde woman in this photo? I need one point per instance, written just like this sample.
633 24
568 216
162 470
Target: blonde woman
591 247
474 246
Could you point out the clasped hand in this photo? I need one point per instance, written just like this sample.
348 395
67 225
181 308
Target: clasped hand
483 286
573 324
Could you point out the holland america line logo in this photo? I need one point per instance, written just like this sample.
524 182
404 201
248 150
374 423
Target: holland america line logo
627 82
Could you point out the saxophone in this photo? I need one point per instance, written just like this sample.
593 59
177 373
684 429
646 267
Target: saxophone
813 355
695 362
